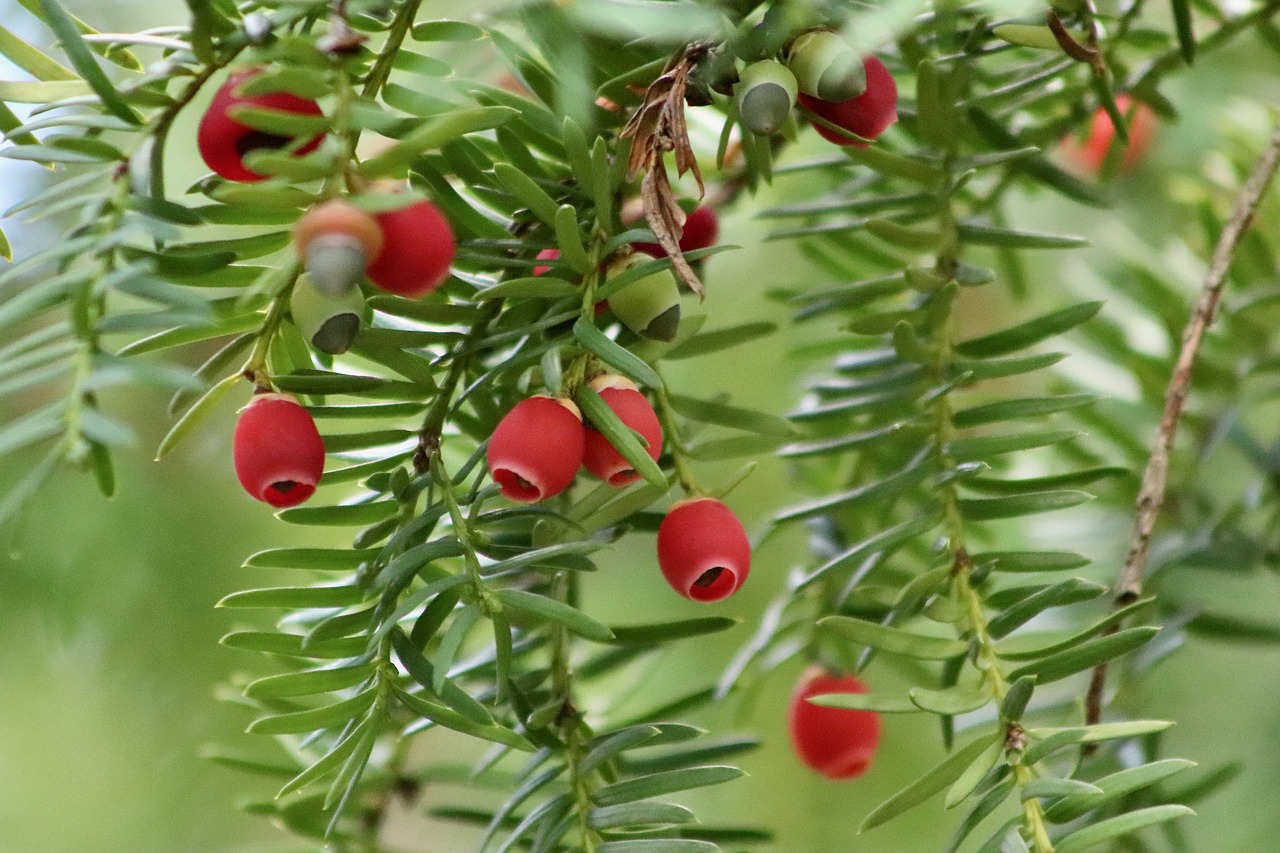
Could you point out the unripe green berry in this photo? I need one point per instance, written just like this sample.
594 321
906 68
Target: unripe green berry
826 66
329 324
766 93
649 306
336 264
337 241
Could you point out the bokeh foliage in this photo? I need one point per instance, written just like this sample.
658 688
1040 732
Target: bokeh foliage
917 297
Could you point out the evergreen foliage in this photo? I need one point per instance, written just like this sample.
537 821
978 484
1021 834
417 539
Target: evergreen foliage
929 452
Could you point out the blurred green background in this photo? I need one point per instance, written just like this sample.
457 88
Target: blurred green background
109 662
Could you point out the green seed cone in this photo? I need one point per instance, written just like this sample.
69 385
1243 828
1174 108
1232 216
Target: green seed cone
650 306
330 325
766 93
827 67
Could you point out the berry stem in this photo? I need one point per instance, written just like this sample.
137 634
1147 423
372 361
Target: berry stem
255 369
672 439
164 123
381 70
986 661
433 422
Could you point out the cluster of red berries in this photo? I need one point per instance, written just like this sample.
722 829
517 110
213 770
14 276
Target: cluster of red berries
405 251
538 447
278 452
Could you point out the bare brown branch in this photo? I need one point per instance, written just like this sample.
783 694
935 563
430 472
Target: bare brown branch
1155 477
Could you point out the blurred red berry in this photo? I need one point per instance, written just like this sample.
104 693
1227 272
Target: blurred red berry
631 407
867 115
537 448
703 549
224 142
701 229
546 255
418 247
278 452
1090 156
836 742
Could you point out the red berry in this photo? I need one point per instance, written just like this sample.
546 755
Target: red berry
417 248
546 255
836 742
631 407
224 142
701 229
537 448
1090 155
867 115
703 549
278 452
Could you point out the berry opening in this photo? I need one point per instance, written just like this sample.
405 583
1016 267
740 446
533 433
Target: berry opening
257 140
287 493
623 477
852 766
515 486
714 584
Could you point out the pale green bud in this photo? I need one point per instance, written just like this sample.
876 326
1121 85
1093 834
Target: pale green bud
329 324
766 92
649 306
827 67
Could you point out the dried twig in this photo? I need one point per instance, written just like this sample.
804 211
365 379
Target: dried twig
1155 477
657 127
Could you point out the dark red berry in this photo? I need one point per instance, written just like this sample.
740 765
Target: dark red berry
701 229
225 142
703 549
836 742
417 248
631 407
536 450
867 115
278 452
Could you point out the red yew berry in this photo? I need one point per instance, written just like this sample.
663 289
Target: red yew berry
546 255
537 448
336 242
703 549
701 229
225 142
867 115
631 407
836 742
418 247
1090 156
278 452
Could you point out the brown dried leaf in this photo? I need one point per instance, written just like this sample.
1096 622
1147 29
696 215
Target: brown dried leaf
657 127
